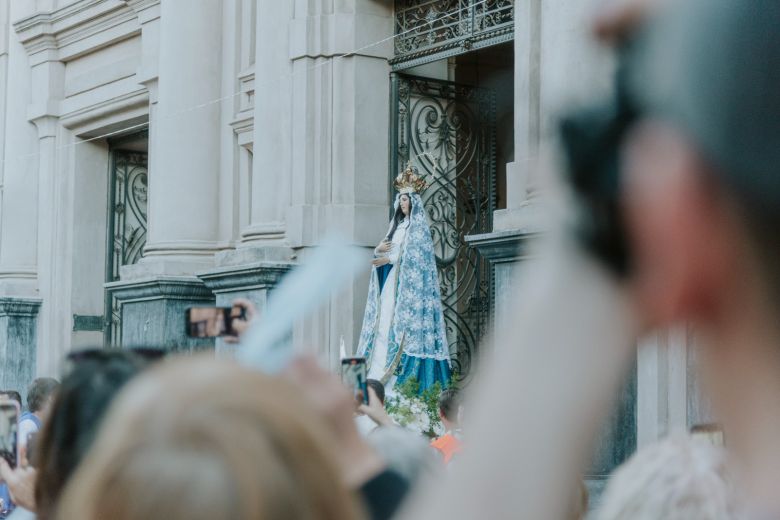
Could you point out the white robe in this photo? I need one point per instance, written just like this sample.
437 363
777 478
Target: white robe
387 306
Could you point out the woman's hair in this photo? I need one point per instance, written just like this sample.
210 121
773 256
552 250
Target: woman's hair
399 215
679 478
76 412
200 438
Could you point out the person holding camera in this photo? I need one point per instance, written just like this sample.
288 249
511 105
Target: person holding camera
678 191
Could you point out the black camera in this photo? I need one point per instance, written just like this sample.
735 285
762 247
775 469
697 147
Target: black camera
591 139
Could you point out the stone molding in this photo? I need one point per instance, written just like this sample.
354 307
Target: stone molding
502 246
338 34
260 275
160 288
19 307
129 106
147 10
50 32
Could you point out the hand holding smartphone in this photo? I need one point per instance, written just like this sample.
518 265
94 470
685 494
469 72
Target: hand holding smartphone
213 322
353 374
9 428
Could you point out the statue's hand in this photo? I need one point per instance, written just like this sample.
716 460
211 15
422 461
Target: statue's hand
378 262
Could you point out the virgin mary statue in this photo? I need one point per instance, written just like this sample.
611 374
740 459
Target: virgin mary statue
403 333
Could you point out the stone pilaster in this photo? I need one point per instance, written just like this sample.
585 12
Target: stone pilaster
18 342
272 154
251 281
153 311
183 224
19 206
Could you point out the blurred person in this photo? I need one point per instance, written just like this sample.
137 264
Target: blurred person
699 203
199 438
39 399
379 390
373 415
405 452
12 395
18 482
6 505
450 410
93 379
677 478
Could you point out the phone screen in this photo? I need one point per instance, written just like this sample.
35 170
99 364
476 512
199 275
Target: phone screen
212 322
9 426
353 374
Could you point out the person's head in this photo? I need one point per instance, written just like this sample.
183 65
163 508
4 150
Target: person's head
378 387
11 395
678 478
702 190
40 394
449 407
199 438
405 204
77 409
403 210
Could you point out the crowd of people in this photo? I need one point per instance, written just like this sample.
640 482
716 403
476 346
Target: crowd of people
137 435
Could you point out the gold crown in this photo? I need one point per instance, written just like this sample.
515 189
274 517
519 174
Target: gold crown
409 181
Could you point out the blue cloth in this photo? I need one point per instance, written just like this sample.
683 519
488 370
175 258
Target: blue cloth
418 321
382 272
31 417
427 371
8 506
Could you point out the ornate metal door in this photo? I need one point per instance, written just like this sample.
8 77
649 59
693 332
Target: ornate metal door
128 191
447 131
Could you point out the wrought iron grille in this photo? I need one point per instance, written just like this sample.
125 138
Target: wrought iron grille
128 198
447 130
434 29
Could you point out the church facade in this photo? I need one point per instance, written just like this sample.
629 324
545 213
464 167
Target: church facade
160 154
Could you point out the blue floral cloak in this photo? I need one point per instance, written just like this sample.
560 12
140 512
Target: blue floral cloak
417 341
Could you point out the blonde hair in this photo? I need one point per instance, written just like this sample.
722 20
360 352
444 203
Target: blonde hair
201 438
679 478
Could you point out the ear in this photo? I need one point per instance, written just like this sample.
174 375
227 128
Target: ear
677 223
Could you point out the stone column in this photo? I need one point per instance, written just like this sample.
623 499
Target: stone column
45 91
527 100
19 213
183 173
273 147
184 82
662 385
339 162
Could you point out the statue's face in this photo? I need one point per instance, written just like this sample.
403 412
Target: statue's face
405 203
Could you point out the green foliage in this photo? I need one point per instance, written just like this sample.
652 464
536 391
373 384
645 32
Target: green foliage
415 409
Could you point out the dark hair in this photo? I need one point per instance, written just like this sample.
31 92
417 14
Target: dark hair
13 395
449 402
399 215
39 392
379 388
83 399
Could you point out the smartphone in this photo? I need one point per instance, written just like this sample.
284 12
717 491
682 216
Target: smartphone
9 428
212 322
353 374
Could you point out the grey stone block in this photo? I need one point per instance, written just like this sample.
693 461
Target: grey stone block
153 311
18 342
251 281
